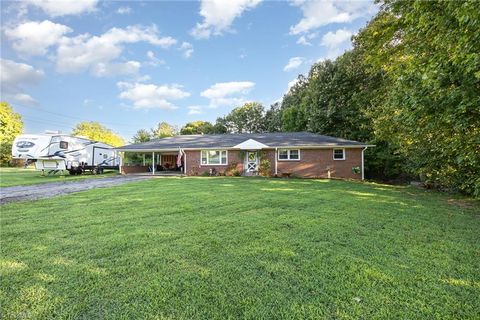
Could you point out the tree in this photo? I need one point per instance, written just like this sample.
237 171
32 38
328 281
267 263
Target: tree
273 118
163 130
220 126
248 118
429 52
197 127
95 131
11 125
141 136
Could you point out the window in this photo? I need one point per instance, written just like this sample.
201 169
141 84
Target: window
338 154
289 154
212 157
63 145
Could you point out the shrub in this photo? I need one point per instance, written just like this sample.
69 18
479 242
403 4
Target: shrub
264 168
232 170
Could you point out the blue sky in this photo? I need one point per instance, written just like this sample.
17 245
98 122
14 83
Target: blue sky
130 65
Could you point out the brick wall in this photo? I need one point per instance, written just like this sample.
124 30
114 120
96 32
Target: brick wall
134 169
194 166
313 163
316 163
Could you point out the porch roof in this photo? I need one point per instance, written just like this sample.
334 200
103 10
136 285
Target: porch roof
230 141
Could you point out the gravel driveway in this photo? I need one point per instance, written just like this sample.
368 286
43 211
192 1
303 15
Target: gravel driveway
48 190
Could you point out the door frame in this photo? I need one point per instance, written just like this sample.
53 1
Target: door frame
247 161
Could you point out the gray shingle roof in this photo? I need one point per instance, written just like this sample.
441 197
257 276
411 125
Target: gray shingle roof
273 139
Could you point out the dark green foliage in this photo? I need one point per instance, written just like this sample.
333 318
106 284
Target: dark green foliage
430 54
273 118
197 127
411 86
248 118
141 136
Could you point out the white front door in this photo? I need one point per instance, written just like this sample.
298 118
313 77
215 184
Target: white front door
251 164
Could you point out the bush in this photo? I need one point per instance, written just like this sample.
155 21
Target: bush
232 170
264 168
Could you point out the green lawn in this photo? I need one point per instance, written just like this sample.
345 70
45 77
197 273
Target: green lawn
229 248
16 176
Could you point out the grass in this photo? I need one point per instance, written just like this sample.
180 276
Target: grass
15 176
228 248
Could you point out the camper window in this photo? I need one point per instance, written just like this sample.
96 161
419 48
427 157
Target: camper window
63 145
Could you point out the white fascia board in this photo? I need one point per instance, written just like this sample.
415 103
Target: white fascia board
251 144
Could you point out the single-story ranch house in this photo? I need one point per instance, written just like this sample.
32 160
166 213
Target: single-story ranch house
300 154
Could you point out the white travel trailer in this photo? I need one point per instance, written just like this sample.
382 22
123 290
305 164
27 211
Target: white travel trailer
56 151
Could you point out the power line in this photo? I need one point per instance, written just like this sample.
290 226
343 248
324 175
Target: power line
55 123
75 118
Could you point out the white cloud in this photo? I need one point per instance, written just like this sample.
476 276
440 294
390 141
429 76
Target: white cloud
227 93
187 49
306 38
87 52
149 96
303 40
55 8
192 110
335 39
319 13
34 38
153 60
294 63
14 77
124 10
218 16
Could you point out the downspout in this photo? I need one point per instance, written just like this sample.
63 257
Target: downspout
363 163
184 163
276 157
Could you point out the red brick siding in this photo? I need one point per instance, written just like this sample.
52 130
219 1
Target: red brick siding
194 166
313 163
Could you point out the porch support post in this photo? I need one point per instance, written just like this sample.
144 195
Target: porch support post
153 162
276 157
144 159
120 162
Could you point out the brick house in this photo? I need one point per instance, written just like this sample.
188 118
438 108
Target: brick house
300 154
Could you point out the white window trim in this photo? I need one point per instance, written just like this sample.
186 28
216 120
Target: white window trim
288 155
213 164
344 154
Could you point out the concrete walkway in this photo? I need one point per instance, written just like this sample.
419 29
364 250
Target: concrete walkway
53 189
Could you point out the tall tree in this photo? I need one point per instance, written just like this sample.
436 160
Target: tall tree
141 136
197 127
96 131
248 118
11 125
220 126
163 130
273 118
430 53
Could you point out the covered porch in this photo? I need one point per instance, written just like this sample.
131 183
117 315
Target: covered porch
159 162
